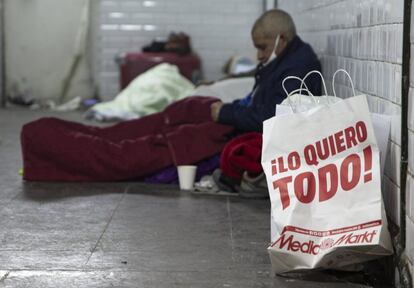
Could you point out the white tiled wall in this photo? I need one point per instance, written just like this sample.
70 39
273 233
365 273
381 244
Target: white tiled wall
410 176
365 38
218 30
40 43
1 53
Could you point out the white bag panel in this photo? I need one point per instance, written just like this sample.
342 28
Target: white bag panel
362 204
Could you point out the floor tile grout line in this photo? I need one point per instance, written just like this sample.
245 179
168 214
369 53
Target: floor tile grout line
107 224
9 201
4 277
231 228
12 199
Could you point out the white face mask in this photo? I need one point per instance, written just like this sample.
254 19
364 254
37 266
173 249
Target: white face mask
273 56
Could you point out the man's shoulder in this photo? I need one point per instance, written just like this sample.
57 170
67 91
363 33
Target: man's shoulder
299 60
303 58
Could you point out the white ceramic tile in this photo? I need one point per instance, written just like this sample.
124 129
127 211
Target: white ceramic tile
410 196
398 82
411 151
108 6
380 11
394 111
388 160
410 238
382 44
145 20
396 128
132 5
387 11
391 200
372 77
411 109
365 13
380 76
412 65
397 11
412 24
396 163
399 43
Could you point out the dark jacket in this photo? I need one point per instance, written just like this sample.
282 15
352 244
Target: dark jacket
296 60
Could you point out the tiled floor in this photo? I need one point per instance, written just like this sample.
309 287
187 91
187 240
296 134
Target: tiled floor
126 234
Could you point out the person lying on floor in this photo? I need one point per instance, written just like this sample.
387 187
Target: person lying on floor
186 132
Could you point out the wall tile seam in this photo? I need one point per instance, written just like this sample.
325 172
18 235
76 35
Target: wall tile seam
133 16
395 143
412 220
321 6
165 23
375 96
391 180
361 59
357 28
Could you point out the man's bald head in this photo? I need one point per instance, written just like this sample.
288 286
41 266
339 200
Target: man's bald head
274 22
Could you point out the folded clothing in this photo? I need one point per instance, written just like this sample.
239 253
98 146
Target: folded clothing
242 154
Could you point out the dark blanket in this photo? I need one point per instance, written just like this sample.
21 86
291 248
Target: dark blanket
241 154
58 150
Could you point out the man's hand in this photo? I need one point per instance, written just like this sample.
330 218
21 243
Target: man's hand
215 110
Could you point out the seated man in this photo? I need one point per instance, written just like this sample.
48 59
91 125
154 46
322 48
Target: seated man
186 132
281 53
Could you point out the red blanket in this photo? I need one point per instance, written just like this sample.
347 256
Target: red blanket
241 154
58 150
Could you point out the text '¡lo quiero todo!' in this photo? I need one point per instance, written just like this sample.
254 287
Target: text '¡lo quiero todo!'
305 183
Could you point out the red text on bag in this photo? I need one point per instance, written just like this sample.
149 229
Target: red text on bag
307 185
322 149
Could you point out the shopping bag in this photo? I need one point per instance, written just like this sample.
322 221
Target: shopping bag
323 172
303 100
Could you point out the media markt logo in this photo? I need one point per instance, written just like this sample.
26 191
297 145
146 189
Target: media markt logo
289 243
327 243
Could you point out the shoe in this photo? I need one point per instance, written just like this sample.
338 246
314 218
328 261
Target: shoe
207 186
254 187
225 183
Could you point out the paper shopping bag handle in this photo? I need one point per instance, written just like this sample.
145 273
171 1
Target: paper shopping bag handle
349 77
300 89
289 94
320 74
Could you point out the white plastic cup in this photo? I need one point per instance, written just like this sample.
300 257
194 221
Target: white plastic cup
186 176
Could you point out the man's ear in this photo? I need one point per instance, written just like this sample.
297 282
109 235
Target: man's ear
283 37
